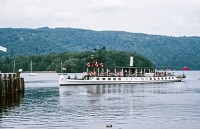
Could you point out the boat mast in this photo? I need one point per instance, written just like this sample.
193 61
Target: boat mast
31 66
14 66
61 67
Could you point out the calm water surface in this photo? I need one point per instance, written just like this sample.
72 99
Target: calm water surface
142 106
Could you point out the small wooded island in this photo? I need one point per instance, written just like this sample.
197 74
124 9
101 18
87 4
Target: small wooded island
71 61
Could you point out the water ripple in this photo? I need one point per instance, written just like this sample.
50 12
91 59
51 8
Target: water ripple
142 106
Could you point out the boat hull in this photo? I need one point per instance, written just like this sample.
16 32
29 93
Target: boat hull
32 74
117 80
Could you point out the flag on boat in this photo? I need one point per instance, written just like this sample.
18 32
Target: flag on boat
186 68
3 49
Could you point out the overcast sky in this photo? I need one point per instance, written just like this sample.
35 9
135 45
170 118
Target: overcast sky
164 17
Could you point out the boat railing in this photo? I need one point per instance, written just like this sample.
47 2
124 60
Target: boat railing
126 73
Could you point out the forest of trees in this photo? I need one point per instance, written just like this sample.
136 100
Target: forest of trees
72 61
163 51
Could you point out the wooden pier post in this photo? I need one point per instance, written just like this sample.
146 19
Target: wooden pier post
9 81
4 85
0 84
10 84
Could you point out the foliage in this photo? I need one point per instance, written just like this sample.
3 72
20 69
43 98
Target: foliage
163 51
72 61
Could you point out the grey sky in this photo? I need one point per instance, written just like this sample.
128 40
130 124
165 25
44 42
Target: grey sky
165 17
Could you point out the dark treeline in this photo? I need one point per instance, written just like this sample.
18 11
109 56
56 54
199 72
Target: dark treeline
72 61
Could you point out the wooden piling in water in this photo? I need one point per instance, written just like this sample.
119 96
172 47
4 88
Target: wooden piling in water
11 83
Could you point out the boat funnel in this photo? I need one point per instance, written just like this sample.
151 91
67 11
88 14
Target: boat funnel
131 60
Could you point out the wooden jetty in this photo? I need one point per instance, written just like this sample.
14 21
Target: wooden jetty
11 83
11 101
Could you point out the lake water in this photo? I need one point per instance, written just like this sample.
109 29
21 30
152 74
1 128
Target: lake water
140 106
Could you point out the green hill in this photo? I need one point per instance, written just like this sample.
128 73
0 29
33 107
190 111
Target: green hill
163 51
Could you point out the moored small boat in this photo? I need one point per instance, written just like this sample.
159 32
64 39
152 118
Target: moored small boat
31 73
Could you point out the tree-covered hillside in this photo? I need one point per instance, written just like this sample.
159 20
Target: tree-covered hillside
72 61
163 51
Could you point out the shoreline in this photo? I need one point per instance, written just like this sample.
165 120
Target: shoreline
39 72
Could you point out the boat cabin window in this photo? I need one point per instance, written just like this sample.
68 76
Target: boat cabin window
103 79
114 78
150 78
172 77
97 78
109 78
119 78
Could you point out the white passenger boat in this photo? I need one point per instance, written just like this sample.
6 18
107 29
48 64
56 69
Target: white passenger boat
97 74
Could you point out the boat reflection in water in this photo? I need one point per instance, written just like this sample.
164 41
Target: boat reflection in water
10 101
161 88
121 102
